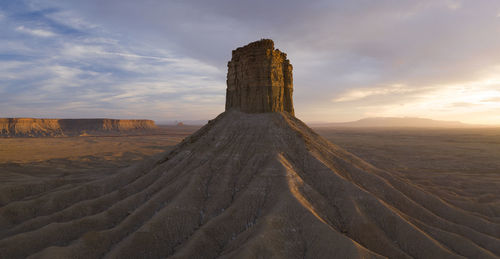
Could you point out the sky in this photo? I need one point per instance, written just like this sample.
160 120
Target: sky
167 60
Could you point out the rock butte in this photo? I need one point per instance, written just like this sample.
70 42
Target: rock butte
30 127
252 184
259 79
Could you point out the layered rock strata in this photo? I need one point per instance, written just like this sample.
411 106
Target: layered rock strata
259 79
30 127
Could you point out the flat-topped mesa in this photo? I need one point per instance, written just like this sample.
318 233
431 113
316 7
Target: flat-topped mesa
259 79
32 127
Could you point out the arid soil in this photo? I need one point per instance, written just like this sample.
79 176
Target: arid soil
29 166
265 186
461 166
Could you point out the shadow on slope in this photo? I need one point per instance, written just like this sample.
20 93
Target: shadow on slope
246 186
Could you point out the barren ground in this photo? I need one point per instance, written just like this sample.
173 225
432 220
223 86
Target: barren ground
29 164
462 164
461 167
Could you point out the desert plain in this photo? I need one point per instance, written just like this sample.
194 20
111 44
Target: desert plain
33 165
462 166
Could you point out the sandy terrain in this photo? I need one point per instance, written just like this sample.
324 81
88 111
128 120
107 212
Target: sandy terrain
32 165
260 186
460 165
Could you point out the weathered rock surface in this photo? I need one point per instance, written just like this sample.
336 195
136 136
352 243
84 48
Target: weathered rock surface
30 127
259 79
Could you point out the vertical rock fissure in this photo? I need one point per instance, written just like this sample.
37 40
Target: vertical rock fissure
259 79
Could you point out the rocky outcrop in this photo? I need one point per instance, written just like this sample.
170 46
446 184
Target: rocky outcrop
259 79
26 127
30 127
75 125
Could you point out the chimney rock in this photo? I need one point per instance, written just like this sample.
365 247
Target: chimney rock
259 79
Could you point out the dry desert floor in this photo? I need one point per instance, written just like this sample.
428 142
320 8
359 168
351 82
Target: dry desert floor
460 166
34 165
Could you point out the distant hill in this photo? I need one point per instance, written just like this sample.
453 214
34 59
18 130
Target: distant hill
184 122
398 122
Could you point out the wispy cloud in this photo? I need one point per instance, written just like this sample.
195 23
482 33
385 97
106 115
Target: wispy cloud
35 32
362 93
463 104
167 59
492 99
454 4
455 101
95 73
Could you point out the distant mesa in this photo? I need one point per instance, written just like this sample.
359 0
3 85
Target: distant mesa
397 122
31 127
259 79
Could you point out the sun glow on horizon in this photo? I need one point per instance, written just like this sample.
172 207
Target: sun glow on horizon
476 102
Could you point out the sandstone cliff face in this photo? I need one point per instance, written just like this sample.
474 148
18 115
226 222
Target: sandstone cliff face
26 127
30 127
259 79
105 124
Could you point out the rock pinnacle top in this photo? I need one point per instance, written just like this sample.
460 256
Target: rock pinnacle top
259 79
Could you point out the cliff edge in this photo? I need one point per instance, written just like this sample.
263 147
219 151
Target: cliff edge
259 79
31 127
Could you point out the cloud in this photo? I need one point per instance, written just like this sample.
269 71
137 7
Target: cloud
493 99
35 32
362 93
463 104
454 4
95 73
168 58
454 101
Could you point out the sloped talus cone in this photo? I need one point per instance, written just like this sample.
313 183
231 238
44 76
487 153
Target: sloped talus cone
246 185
